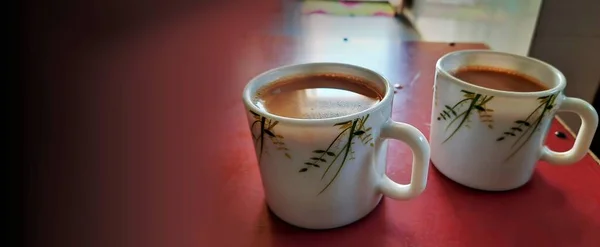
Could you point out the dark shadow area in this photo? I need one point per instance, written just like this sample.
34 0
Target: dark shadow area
91 70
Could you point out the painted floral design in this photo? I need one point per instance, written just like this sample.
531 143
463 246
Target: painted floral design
266 131
525 128
459 116
340 149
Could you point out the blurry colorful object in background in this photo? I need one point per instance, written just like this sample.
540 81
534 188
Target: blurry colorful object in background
347 8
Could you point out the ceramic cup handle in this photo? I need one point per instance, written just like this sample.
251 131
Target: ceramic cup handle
589 122
420 166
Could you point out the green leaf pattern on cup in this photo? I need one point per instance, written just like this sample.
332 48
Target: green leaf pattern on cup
339 150
266 130
524 129
459 116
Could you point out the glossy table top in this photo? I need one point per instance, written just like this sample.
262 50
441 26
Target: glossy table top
146 144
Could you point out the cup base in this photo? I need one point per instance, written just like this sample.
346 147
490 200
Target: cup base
326 226
479 187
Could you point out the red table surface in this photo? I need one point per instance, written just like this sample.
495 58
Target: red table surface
157 152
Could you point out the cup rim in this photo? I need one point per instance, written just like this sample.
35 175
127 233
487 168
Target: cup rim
388 96
489 91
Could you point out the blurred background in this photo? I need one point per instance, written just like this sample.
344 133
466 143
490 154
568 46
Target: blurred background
506 25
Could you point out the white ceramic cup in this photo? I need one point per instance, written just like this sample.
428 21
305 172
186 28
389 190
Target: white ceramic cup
491 140
326 173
